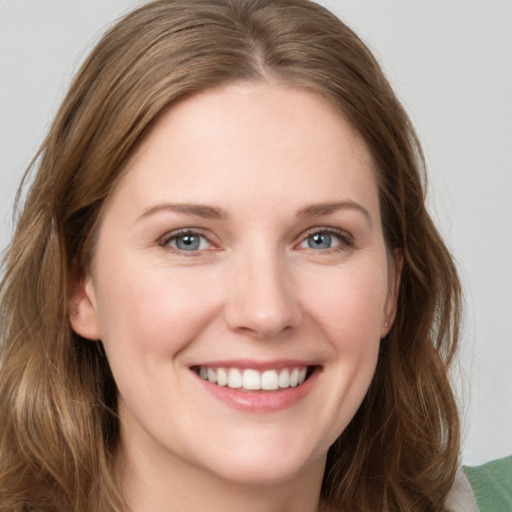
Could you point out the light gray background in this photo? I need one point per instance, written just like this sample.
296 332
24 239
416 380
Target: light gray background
451 64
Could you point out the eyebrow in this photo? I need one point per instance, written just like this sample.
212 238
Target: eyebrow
317 210
211 212
199 210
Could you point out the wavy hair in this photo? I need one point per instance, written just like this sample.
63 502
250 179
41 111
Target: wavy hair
59 431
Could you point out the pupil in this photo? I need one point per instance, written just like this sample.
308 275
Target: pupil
187 242
320 241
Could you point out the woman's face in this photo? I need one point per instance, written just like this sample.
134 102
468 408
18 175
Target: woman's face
241 284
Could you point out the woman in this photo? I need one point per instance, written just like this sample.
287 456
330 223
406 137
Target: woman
224 289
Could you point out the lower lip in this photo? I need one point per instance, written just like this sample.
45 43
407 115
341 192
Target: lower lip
261 401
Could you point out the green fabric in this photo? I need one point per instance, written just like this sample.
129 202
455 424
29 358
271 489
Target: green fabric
492 485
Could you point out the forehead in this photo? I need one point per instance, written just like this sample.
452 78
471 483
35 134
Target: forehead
254 139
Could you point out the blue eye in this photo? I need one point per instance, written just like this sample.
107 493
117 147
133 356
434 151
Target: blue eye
324 240
187 242
320 241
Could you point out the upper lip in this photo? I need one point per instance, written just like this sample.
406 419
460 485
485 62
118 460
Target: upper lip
274 364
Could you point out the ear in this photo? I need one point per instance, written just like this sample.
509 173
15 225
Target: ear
390 307
83 314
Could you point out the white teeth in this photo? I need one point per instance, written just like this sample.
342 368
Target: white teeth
234 378
294 377
253 380
284 378
212 376
269 380
222 377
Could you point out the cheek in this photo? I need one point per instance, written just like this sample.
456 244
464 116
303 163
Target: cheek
347 312
350 304
153 311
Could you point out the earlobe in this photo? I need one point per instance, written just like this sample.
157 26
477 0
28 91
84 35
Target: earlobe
395 274
82 310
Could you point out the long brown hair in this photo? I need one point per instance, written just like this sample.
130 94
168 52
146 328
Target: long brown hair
58 424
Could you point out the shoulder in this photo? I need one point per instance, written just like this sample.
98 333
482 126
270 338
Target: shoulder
491 485
461 498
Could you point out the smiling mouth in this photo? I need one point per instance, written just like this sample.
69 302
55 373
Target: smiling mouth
250 379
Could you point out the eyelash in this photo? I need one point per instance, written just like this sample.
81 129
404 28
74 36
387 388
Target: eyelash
181 233
345 240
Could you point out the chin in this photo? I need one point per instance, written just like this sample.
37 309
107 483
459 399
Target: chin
264 472
259 463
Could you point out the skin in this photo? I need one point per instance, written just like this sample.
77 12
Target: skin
255 289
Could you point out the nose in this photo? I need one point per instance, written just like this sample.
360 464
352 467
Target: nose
262 299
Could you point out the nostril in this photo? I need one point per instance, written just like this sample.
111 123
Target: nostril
264 322
261 302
